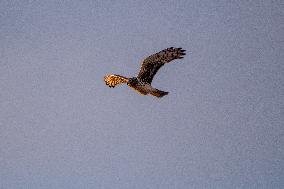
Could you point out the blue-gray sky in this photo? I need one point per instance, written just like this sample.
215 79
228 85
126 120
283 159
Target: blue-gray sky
221 126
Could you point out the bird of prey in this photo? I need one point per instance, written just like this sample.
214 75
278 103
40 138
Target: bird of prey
150 66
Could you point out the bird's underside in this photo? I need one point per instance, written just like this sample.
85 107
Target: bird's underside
150 66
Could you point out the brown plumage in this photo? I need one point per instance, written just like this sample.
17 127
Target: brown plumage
149 67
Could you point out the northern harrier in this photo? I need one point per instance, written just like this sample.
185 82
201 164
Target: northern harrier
150 66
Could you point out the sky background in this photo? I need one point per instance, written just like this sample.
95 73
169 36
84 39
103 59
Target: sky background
221 126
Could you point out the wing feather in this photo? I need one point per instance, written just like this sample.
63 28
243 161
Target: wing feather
153 63
113 80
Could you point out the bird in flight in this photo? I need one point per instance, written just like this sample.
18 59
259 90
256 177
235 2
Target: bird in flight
150 66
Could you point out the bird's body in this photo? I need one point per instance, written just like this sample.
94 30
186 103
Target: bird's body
139 86
150 66
144 88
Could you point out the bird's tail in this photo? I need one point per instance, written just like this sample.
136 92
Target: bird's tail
158 93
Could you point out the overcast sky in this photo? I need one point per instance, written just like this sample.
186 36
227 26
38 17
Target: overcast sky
221 126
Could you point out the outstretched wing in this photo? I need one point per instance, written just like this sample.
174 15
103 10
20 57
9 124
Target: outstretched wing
113 80
153 63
